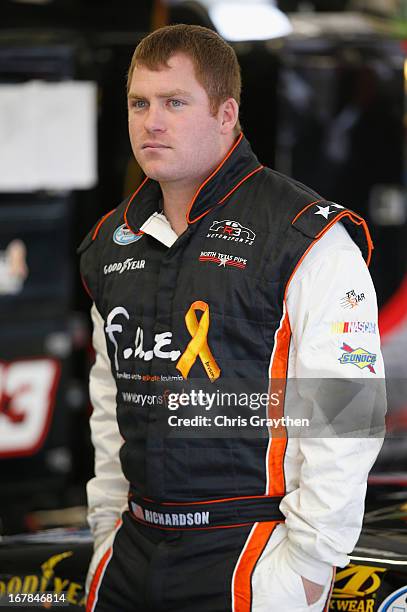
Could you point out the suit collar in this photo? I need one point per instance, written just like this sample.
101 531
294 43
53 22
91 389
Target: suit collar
238 163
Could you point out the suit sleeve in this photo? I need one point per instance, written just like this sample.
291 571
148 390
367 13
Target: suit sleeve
107 491
332 308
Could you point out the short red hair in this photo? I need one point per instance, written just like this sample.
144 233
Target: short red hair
216 66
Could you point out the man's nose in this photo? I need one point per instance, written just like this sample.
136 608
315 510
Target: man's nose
154 119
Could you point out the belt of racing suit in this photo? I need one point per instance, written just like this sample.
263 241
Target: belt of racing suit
212 514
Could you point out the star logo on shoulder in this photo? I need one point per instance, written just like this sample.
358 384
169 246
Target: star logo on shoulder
325 211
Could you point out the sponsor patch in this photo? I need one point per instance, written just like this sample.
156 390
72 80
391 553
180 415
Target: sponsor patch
223 260
116 319
356 588
123 236
396 602
351 299
231 230
124 266
47 584
359 357
353 327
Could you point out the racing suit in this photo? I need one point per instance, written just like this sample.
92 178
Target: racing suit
308 501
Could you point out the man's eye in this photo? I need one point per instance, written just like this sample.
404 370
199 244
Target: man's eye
176 103
138 104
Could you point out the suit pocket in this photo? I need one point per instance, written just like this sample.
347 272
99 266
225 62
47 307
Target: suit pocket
98 558
276 585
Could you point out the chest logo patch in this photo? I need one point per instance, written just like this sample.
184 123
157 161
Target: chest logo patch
123 236
124 266
223 260
198 345
359 357
231 230
113 327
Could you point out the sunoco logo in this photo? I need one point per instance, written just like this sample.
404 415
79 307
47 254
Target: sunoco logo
123 236
359 357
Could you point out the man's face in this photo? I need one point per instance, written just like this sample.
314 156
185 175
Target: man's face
173 135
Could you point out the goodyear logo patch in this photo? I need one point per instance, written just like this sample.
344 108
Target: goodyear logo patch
123 236
359 357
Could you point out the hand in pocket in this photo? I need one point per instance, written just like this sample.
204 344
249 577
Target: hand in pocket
277 586
313 591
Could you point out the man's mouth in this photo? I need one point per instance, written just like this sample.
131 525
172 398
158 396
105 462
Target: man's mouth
154 145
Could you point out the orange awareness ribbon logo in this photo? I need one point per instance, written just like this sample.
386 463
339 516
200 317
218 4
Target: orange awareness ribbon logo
198 345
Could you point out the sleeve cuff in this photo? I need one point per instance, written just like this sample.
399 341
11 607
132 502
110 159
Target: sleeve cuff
307 566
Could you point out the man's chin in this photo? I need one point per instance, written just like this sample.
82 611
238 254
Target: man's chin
159 174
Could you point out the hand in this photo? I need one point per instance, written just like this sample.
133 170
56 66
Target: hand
313 591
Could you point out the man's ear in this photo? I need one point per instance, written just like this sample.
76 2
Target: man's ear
229 115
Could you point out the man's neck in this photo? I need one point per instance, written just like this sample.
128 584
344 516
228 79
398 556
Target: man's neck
177 196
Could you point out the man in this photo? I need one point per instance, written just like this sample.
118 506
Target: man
218 273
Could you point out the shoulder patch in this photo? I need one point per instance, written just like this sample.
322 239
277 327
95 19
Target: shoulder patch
314 218
317 217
